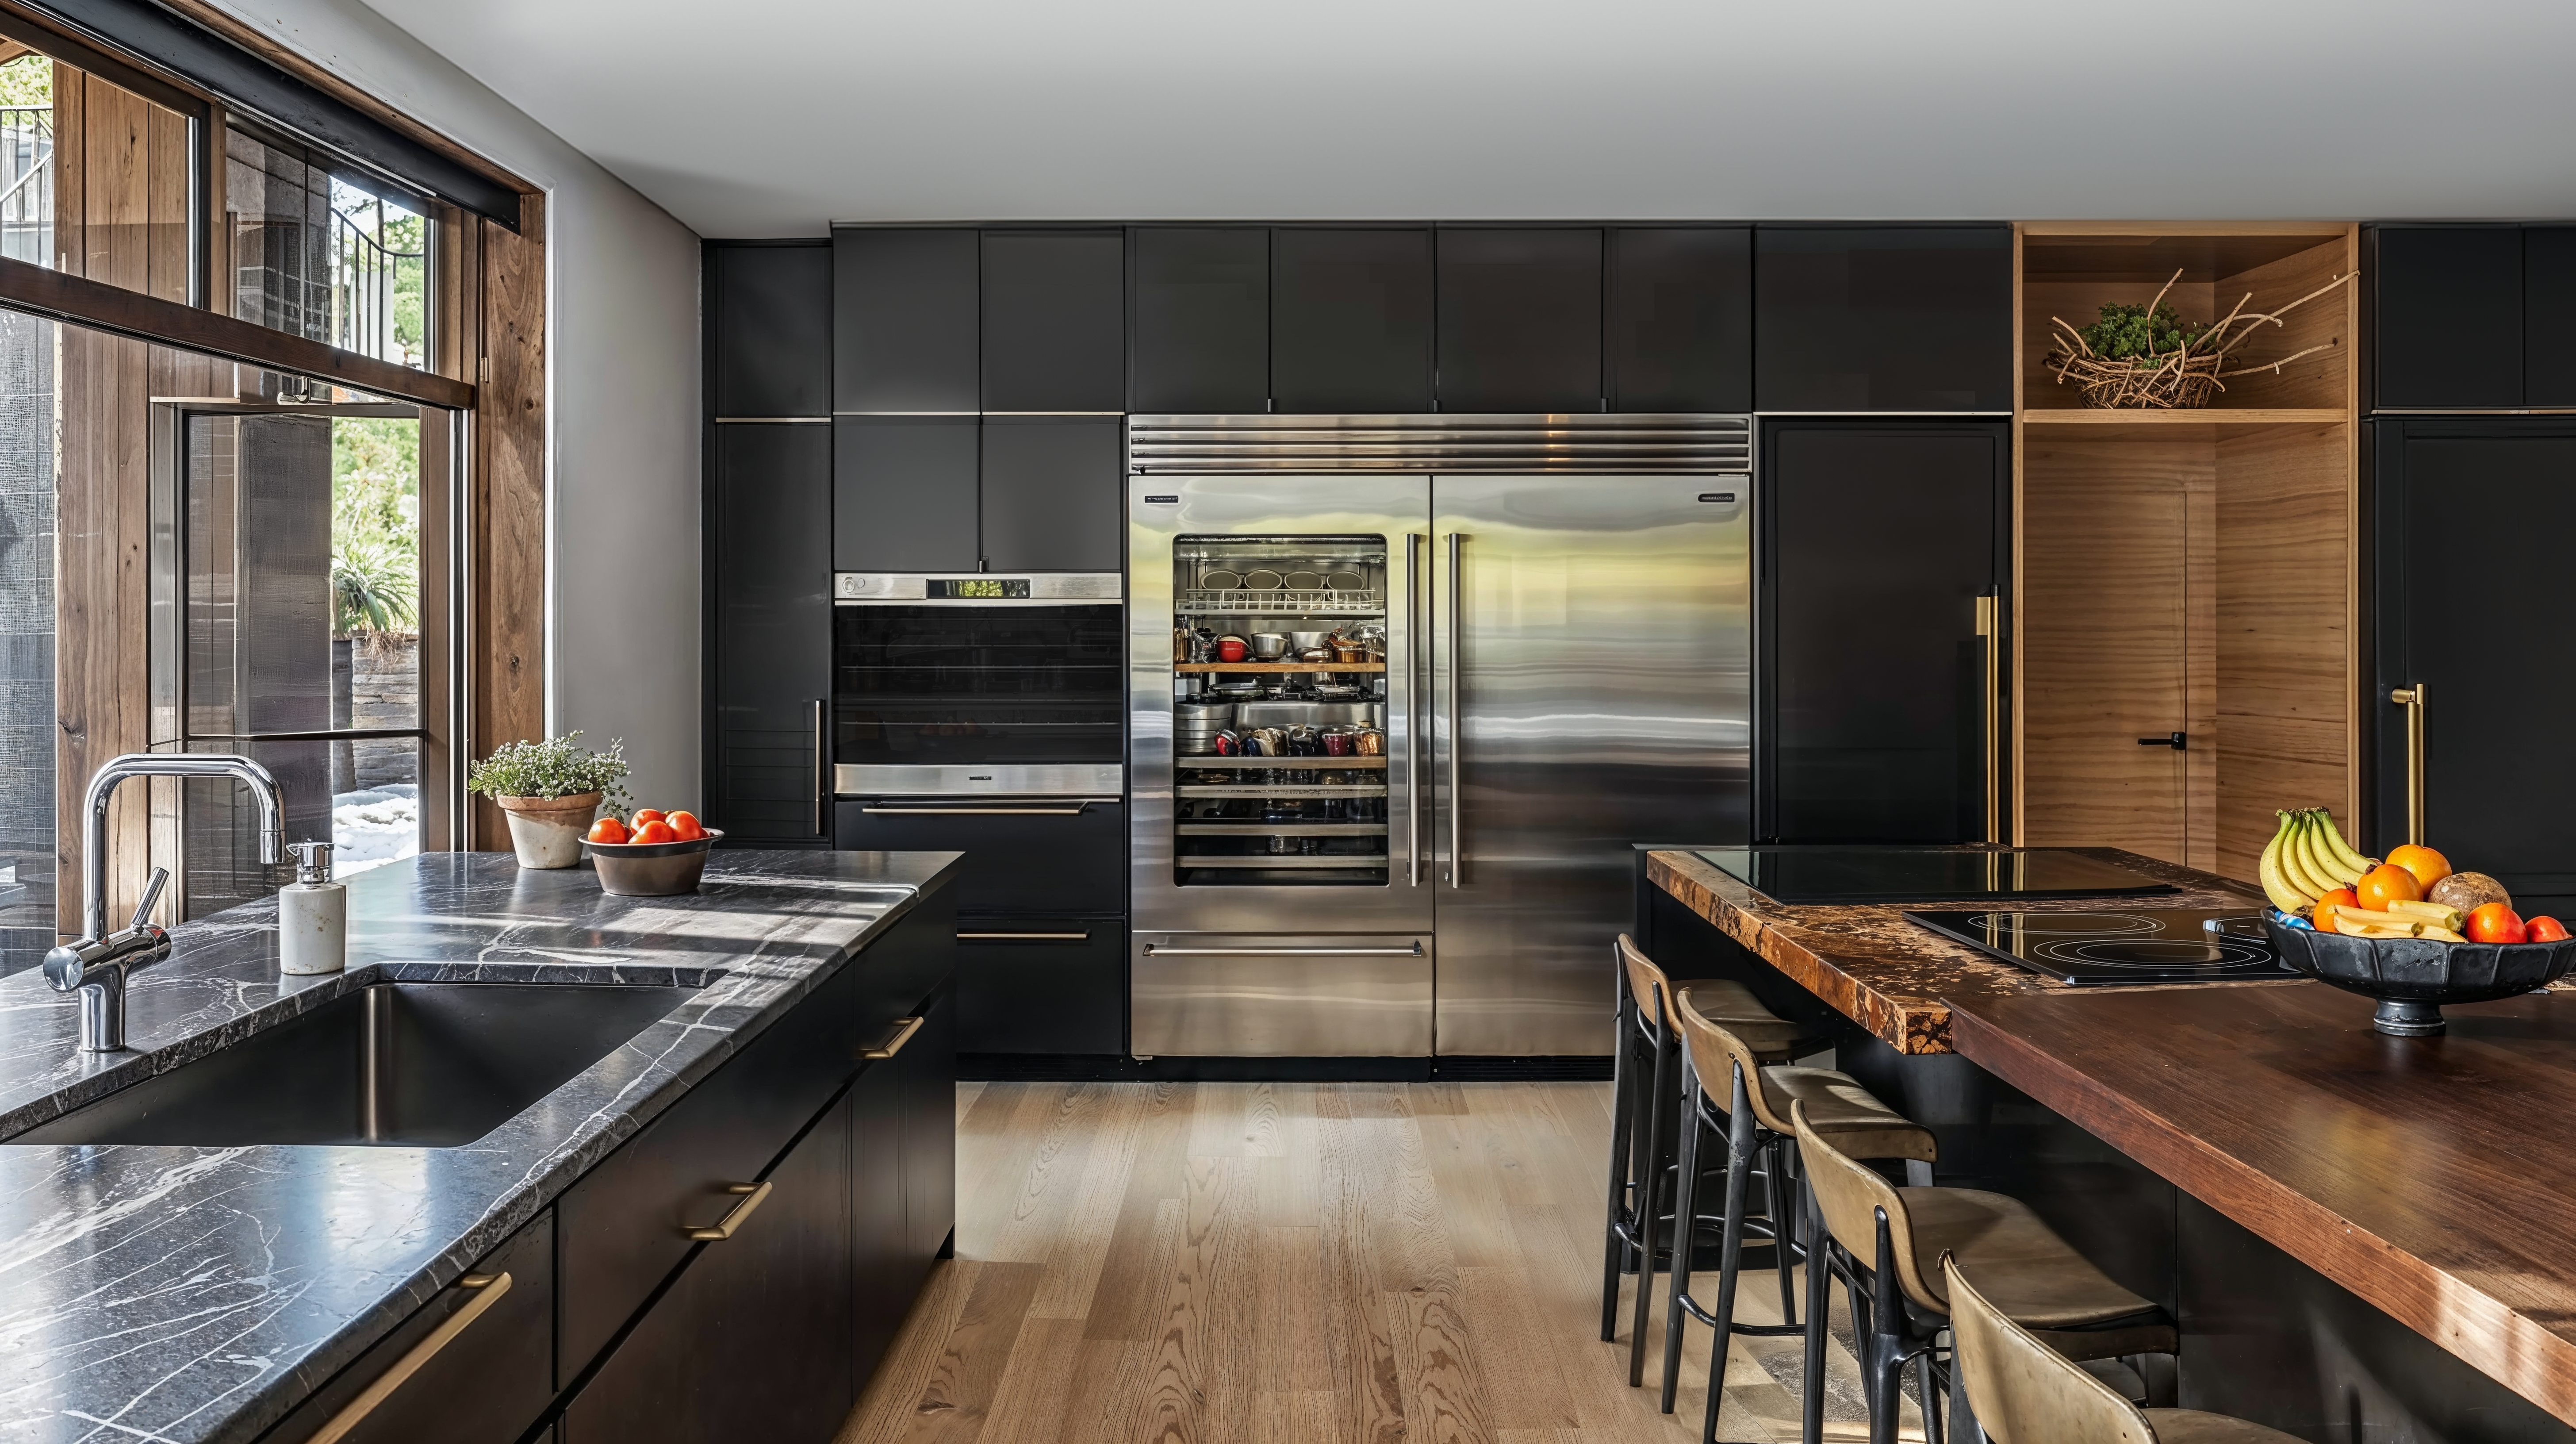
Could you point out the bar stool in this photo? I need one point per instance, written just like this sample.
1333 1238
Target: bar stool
1645 1082
1898 1304
1734 1095
2025 1392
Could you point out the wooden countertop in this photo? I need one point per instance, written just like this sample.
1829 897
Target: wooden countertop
2430 1176
1890 976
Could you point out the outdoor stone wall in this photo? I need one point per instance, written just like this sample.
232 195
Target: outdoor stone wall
384 691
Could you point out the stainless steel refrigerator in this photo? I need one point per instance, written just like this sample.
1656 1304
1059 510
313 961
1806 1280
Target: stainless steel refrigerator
1546 633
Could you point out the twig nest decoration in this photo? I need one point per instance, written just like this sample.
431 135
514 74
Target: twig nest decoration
2140 358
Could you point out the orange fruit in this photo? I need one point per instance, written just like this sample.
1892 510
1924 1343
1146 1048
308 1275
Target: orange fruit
655 831
644 815
608 829
685 826
2325 914
2428 866
2385 884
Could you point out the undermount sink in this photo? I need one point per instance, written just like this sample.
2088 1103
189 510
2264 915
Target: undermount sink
419 1065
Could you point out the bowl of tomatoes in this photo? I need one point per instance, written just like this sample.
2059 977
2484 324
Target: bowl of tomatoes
651 854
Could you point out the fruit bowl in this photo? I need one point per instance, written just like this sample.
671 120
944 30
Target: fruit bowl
2413 977
652 869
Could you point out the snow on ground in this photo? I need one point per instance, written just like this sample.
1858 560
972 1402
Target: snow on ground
374 826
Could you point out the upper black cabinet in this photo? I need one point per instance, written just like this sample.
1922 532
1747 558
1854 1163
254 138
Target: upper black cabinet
904 321
1883 318
1680 328
772 667
903 493
769 329
1350 320
1520 320
2548 314
1201 328
1052 494
2450 302
1055 321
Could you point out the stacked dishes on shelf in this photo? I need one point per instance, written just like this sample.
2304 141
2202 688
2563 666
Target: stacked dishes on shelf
1196 724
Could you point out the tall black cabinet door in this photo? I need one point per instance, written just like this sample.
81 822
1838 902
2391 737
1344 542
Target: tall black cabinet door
1054 498
769 322
1350 321
1679 334
1200 321
1055 321
773 629
2449 316
1878 537
904 321
928 1066
1882 318
881 1275
903 493
1520 320
2548 315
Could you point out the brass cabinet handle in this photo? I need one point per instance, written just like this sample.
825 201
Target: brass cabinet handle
487 1289
753 1196
1024 937
1990 626
910 1027
2412 699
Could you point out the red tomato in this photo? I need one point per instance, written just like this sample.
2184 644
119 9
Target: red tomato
2545 929
685 826
644 815
2496 923
608 829
655 831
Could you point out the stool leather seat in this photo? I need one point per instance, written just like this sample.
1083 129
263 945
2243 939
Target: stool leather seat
1838 1106
2019 1262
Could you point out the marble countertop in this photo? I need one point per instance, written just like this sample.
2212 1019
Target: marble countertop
187 1294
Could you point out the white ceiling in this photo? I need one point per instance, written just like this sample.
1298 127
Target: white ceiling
775 117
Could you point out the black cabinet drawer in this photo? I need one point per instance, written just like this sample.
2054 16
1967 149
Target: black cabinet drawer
1042 985
471 1380
1023 855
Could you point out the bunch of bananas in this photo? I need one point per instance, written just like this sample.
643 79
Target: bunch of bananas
2307 859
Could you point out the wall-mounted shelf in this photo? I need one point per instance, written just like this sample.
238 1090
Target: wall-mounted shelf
2204 416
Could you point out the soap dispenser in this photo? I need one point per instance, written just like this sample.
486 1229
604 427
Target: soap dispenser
312 915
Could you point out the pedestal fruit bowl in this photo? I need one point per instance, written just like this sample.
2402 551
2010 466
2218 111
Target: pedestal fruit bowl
2413 977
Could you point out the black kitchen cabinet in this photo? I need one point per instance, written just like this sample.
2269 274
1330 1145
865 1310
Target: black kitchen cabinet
1062 857
880 1251
2548 315
1052 494
1520 320
769 328
927 1072
1882 318
1200 321
1679 333
904 493
1350 320
905 327
1055 321
773 630
2449 316
1877 539
1042 985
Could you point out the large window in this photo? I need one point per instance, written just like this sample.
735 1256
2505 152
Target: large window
334 257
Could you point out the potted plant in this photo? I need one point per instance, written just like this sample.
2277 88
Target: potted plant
550 791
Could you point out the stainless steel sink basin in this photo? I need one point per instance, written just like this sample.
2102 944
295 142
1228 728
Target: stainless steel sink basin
422 1065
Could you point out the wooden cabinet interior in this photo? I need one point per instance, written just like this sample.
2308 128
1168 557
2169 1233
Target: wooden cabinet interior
2188 571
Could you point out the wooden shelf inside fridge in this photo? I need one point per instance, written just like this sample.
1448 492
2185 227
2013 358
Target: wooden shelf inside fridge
1278 666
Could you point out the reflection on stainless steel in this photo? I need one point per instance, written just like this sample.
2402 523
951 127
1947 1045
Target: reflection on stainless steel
1291 995
1081 779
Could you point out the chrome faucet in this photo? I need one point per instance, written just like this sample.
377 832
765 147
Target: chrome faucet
97 965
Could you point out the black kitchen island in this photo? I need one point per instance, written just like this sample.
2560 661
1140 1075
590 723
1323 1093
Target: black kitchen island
711 1231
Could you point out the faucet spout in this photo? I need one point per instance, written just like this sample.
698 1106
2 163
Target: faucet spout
102 786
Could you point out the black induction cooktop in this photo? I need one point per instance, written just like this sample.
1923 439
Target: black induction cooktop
1834 874
2142 945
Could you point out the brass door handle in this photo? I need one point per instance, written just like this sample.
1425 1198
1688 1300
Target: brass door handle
2412 699
487 1289
753 1196
895 1045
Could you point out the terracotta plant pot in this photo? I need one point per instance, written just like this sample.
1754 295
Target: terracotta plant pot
547 831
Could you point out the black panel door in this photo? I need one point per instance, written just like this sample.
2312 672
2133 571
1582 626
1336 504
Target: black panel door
1878 538
2484 635
1038 984
2548 315
1054 499
928 1069
1055 321
769 312
880 1274
1201 321
1520 320
1350 321
1882 318
2449 316
1679 334
904 327
903 493
773 625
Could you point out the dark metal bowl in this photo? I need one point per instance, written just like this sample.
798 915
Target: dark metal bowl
2413 977
652 869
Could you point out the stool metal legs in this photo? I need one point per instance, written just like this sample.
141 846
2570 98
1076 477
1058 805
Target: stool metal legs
1747 1144
1650 1196
1615 1251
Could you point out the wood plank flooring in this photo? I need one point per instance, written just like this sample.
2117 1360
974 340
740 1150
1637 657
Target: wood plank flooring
1278 1263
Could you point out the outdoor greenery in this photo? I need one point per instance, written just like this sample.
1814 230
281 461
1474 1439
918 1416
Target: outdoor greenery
27 80
556 767
405 235
2128 331
375 524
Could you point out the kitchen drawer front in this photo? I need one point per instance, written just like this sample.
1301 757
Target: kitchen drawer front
1023 855
484 1382
1042 985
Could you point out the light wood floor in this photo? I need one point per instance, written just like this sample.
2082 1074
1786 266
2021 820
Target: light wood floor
1376 1263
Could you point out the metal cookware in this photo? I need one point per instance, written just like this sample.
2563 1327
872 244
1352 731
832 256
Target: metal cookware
1232 649
1261 579
1306 642
1221 581
1269 646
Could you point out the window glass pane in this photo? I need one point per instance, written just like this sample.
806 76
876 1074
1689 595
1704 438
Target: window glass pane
94 179
322 256
27 160
27 730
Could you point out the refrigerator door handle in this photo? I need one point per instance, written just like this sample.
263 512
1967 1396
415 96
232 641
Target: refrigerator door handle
1457 738
1412 713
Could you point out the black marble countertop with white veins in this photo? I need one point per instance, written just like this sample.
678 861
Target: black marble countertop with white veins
186 1294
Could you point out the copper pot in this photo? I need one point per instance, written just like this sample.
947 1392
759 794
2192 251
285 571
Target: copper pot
1350 652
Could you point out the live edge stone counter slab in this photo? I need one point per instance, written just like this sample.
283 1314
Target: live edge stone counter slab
187 1294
